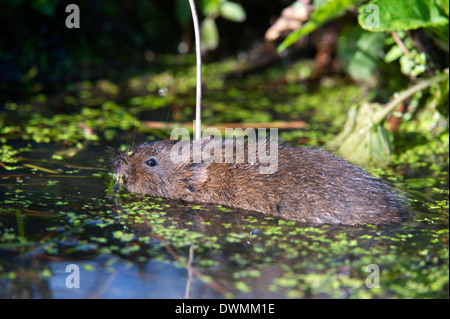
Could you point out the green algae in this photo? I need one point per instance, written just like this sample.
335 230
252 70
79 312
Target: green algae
319 261
244 253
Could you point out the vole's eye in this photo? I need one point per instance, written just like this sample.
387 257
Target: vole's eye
151 162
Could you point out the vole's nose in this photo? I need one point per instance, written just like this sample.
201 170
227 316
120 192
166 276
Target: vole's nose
118 163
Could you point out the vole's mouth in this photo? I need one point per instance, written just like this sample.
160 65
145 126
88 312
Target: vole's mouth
119 177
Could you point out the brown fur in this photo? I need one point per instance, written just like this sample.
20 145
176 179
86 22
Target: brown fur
310 185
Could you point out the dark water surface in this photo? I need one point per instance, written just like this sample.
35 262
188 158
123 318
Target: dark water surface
134 247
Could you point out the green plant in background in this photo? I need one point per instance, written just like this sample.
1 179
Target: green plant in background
211 9
399 38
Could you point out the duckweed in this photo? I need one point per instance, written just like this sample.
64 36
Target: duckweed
241 252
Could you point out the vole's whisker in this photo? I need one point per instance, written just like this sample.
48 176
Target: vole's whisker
115 151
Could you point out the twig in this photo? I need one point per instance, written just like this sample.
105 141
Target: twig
388 108
380 116
44 176
47 170
199 71
101 290
222 126
189 268
399 42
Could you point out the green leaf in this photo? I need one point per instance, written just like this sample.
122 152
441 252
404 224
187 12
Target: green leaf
209 34
210 8
232 11
413 64
443 4
361 145
359 51
380 145
393 54
321 15
387 15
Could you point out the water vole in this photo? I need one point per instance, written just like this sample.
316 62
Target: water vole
309 185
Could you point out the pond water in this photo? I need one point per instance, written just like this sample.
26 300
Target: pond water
56 225
63 234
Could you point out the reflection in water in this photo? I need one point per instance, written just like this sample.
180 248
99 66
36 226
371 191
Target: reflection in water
137 247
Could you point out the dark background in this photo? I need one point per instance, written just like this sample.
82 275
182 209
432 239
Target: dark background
37 48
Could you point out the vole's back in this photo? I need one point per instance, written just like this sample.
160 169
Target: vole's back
310 185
